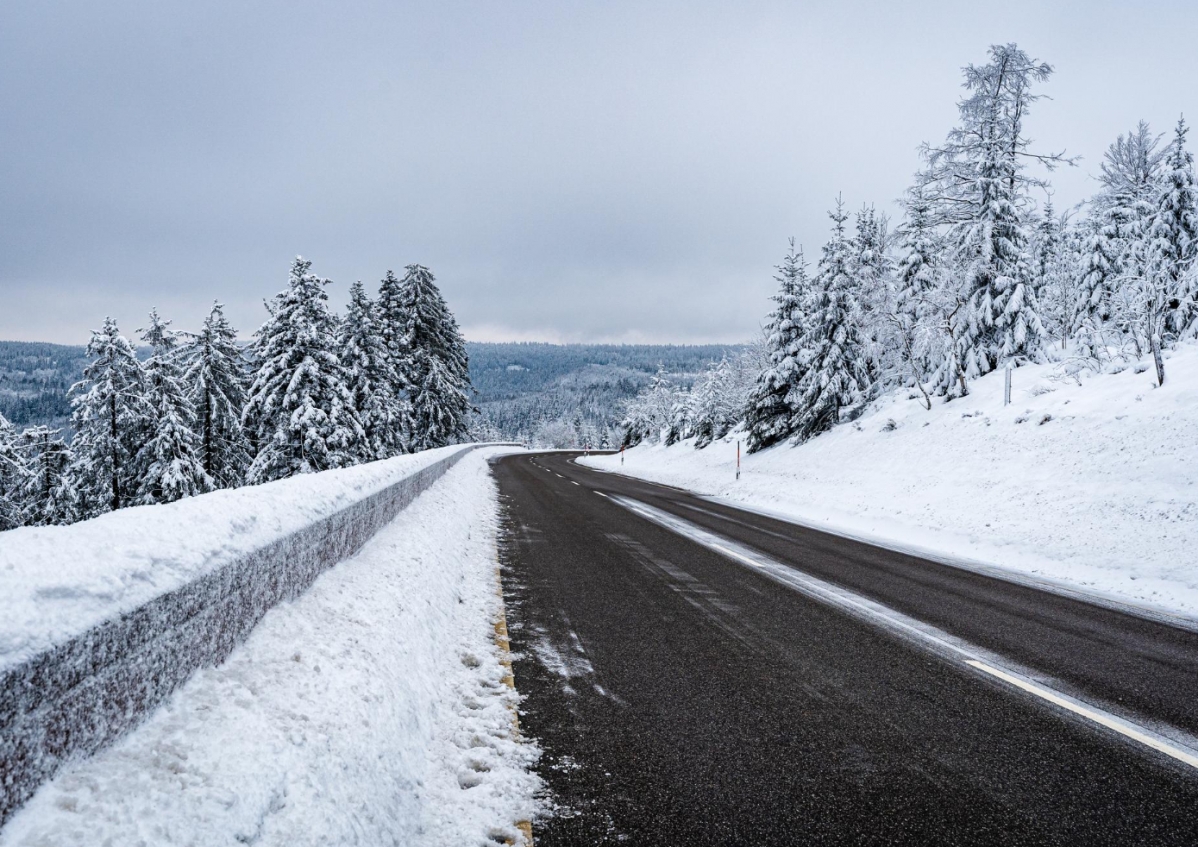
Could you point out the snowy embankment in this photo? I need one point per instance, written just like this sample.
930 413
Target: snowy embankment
1093 486
58 581
371 710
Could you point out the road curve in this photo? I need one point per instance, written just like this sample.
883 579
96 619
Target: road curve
682 697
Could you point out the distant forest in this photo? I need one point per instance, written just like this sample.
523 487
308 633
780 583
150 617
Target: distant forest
521 389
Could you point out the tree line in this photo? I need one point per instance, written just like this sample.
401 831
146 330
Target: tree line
312 391
982 273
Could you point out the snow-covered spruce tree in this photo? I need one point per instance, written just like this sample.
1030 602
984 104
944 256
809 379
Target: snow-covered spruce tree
49 492
770 413
1120 214
715 407
299 408
872 272
835 373
430 359
215 378
978 186
371 378
1172 249
1055 280
12 478
169 464
920 319
110 420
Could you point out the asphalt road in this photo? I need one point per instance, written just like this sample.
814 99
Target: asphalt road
683 697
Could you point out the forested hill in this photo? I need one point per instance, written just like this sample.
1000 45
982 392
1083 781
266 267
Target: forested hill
520 386
530 390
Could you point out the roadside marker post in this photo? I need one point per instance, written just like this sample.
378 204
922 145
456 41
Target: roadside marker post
738 458
621 454
1006 396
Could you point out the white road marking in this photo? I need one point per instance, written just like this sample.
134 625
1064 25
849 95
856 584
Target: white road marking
1098 716
574 482
601 494
1184 749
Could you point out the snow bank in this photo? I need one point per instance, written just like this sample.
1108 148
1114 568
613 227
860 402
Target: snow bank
371 710
1091 486
58 581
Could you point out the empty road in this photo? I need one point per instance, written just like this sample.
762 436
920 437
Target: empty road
697 674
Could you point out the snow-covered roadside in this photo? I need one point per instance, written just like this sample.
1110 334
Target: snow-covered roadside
1093 486
371 710
58 581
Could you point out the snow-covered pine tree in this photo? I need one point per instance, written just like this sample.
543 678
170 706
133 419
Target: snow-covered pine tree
979 188
12 478
300 408
49 493
169 464
835 372
715 405
871 269
771 406
1054 279
920 318
431 359
110 419
215 378
1120 216
371 378
1174 245
392 321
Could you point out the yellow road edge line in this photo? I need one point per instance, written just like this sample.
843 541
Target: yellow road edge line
504 643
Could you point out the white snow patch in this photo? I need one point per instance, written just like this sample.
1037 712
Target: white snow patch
371 710
59 581
1094 486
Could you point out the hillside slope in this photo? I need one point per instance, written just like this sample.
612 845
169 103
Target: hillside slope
1090 485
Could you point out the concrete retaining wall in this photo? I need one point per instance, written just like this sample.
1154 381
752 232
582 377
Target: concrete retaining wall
78 697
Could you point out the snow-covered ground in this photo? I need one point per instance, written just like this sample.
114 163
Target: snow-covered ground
1094 486
371 710
58 581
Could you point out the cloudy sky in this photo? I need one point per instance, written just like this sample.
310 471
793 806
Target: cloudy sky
570 171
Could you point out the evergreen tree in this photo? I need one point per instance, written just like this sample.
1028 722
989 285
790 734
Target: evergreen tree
430 358
1174 236
371 379
772 402
835 373
979 186
1121 214
919 315
12 478
49 492
299 408
215 379
109 418
169 463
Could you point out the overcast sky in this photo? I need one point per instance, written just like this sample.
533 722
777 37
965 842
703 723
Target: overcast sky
570 171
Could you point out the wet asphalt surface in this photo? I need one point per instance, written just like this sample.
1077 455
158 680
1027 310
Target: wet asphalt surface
681 698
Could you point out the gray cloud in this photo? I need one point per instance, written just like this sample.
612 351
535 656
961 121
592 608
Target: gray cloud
570 171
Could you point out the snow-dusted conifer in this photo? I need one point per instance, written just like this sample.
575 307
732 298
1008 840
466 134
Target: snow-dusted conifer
169 463
49 494
216 379
979 184
371 379
299 408
1174 235
835 373
772 403
109 417
12 478
431 358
